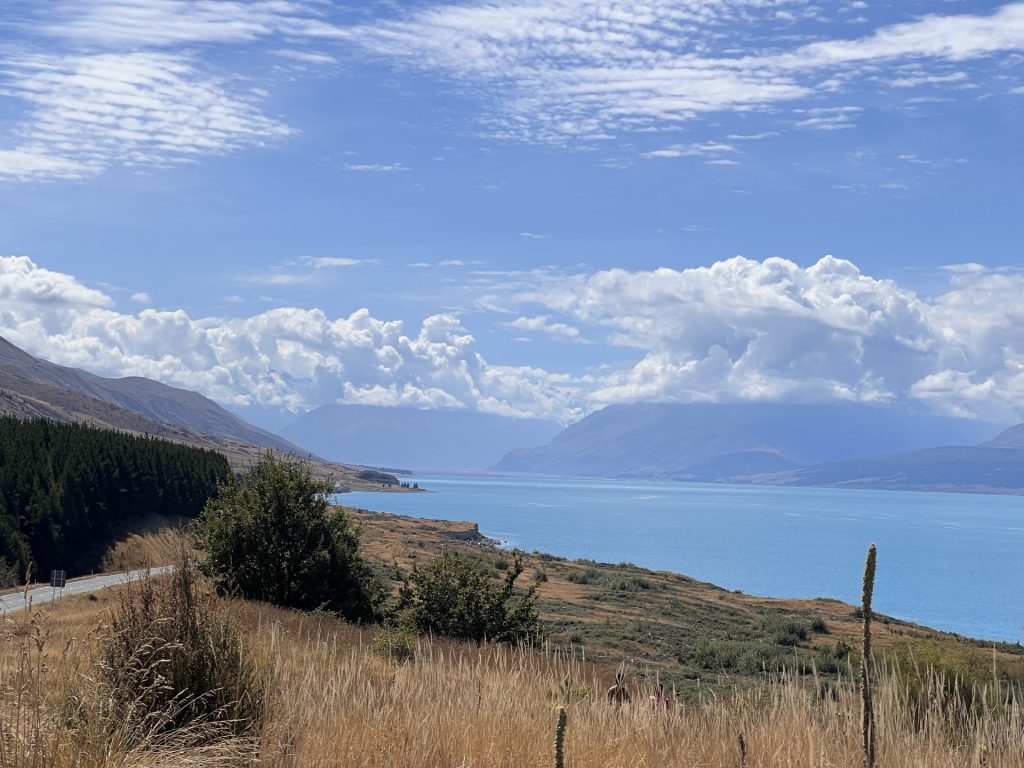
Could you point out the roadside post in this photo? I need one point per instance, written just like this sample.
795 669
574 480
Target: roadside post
57 581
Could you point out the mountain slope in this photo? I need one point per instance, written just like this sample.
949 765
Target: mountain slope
980 469
414 438
1011 438
144 397
35 389
715 441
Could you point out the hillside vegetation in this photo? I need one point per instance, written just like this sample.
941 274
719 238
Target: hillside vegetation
175 672
336 699
66 490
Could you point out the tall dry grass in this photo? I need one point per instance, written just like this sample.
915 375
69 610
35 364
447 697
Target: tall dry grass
333 699
338 704
60 707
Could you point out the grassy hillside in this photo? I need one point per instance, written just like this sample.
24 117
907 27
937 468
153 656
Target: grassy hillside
687 632
335 699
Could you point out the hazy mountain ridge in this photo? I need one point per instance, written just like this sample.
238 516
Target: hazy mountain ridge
416 438
981 469
1011 438
713 441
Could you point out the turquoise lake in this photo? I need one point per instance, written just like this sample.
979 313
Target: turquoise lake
951 561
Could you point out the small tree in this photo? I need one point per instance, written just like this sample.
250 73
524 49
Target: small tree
272 535
453 596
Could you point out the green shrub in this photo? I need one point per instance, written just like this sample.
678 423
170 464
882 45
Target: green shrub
781 630
748 658
395 643
588 575
451 596
629 584
818 626
273 536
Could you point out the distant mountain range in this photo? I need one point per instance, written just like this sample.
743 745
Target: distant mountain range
34 388
413 438
846 444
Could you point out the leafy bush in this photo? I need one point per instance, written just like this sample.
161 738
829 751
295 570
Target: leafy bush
394 643
781 630
453 596
588 575
818 626
748 658
170 660
273 536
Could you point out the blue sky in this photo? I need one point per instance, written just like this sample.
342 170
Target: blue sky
531 208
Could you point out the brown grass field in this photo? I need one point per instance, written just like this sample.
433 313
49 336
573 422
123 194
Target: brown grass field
334 699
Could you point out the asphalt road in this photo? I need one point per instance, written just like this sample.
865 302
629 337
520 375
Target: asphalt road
17 601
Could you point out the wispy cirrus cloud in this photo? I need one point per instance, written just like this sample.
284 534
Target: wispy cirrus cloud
377 167
88 112
544 324
710 149
153 23
568 71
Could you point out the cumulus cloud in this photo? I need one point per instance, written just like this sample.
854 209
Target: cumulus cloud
772 330
286 357
735 330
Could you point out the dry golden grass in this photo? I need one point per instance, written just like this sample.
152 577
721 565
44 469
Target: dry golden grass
338 704
54 715
151 541
334 702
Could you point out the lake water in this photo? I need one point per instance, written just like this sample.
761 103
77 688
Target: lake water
951 561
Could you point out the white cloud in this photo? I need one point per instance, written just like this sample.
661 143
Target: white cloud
88 112
563 70
543 324
712 149
21 281
285 357
306 57
749 330
29 163
828 118
324 262
735 330
132 23
376 167
141 298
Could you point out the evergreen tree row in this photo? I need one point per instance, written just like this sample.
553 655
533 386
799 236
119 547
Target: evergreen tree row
66 490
